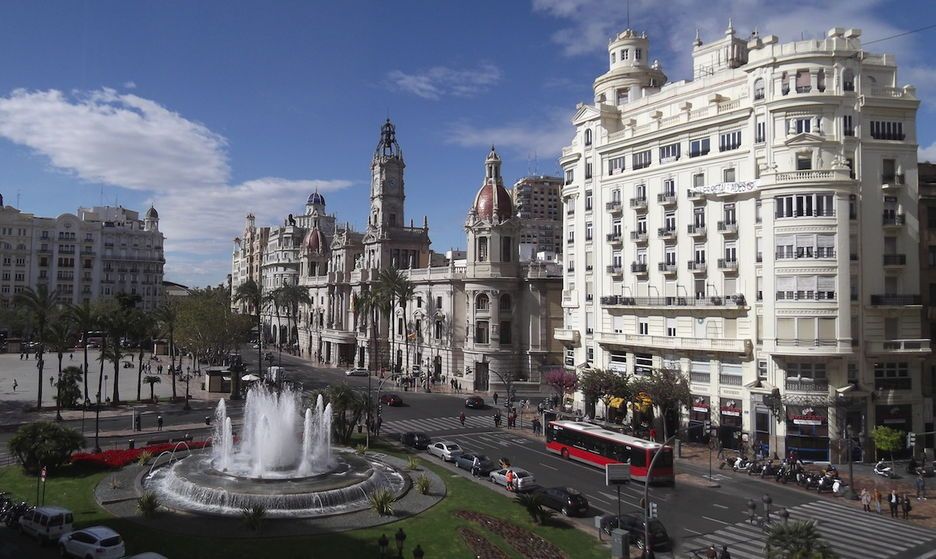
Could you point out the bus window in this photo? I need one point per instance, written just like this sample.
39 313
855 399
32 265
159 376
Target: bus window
638 458
665 460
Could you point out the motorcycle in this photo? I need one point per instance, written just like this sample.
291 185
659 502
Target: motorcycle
830 483
884 471
12 516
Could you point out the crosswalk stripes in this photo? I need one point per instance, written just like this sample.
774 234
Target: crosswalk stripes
436 424
851 533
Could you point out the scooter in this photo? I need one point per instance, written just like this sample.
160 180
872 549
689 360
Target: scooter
742 465
884 471
829 483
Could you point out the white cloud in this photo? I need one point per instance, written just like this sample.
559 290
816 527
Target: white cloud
440 81
127 141
927 154
129 84
543 136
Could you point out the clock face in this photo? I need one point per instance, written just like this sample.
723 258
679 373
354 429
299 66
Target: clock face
392 183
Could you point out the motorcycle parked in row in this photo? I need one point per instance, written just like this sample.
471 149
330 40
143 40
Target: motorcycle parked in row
884 470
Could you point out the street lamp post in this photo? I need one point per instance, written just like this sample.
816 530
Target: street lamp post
400 537
845 404
382 544
767 502
752 507
646 499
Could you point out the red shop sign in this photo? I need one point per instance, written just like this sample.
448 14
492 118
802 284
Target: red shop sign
735 412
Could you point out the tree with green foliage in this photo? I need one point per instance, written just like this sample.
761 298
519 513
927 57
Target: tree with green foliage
293 296
44 443
250 294
887 439
143 329
605 386
69 387
152 381
668 389
796 539
85 319
115 322
166 317
348 407
40 305
389 283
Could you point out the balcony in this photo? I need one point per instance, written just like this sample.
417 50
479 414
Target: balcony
566 335
892 182
888 347
895 260
730 380
615 207
891 220
667 269
667 233
888 300
672 343
806 385
694 195
696 267
639 268
638 203
615 271
700 378
801 346
695 230
728 227
639 236
726 303
728 266
667 198
616 239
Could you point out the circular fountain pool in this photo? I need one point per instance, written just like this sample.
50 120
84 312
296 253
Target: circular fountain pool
283 462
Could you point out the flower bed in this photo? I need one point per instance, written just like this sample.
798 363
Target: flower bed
119 458
524 541
479 545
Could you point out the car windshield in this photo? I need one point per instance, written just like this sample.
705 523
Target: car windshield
521 473
451 446
482 458
570 491
111 541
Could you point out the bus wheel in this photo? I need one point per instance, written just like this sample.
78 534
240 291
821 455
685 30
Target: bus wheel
565 453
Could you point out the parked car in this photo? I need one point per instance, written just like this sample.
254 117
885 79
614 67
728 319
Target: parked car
393 400
46 524
413 439
474 402
466 462
97 542
523 480
659 539
357 372
566 500
446 450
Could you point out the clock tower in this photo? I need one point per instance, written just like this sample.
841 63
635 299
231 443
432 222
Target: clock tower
387 182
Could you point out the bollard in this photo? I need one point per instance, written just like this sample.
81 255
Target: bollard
131 444
620 544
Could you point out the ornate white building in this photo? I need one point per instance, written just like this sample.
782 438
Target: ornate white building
755 228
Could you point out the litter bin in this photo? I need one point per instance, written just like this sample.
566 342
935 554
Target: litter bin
131 444
620 544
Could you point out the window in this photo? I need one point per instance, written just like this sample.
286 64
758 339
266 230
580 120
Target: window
625 54
481 332
569 176
848 127
588 137
760 131
482 249
439 302
698 180
482 303
669 187
669 221
698 147
728 175
506 249
803 162
588 200
803 81
613 57
804 205
669 257
728 141
637 54
699 254
616 165
588 169
806 371
643 326
848 80
643 364
588 231
762 369
438 329
622 95
731 252
886 130
731 216
784 83
801 125
669 153
892 376
931 217
504 333
671 327
641 160
758 89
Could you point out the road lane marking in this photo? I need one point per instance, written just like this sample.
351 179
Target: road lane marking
592 497
718 521
548 466
719 506
692 531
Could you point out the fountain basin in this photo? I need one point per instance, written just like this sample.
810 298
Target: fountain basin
193 484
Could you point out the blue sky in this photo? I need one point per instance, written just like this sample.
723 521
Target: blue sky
213 109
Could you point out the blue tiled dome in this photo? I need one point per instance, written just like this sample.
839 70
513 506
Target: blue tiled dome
316 199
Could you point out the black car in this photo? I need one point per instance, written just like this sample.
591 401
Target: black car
659 539
420 441
566 500
485 465
391 400
474 402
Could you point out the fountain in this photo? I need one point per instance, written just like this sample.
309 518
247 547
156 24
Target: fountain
283 461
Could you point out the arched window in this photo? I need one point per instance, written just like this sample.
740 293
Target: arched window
758 89
588 137
505 303
482 255
482 303
848 80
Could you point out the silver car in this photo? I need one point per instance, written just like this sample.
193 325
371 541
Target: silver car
523 480
445 450
357 372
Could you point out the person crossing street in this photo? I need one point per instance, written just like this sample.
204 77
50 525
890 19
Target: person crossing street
461 418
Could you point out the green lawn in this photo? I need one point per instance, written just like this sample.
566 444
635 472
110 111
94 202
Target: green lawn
434 530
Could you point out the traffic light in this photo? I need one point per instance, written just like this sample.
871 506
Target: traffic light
911 440
653 510
707 426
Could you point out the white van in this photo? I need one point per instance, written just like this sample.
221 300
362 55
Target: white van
46 524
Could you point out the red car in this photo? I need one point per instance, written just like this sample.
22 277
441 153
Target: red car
391 400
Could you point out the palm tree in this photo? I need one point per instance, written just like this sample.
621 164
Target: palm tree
796 540
142 327
250 294
166 316
293 296
388 284
406 291
41 305
116 324
152 381
58 336
275 300
85 319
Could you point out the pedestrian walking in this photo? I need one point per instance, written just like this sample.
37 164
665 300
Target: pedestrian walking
159 423
71 356
724 552
865 499
711 552
906 506
137 423
876 497
495 398
510 480
461 418
476 466
894 501
15 384
920 482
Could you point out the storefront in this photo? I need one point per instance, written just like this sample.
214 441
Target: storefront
729 425
899 417
807 430
698 416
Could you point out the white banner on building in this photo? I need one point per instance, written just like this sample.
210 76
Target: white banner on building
739 187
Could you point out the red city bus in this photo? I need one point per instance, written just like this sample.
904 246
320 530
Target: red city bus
597 446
